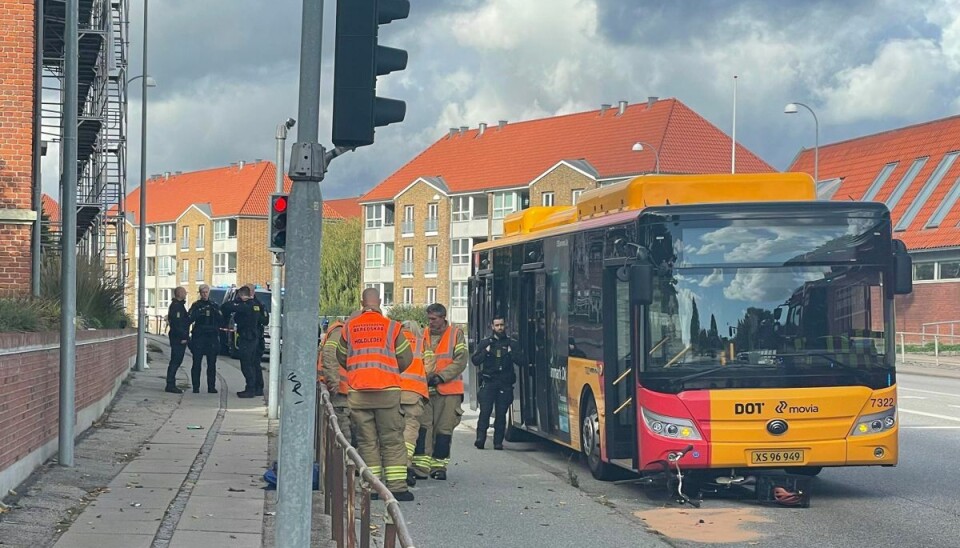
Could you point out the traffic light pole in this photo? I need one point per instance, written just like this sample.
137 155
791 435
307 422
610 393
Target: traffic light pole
273 394
298 390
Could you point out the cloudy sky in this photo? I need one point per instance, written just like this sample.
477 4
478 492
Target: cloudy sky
228 71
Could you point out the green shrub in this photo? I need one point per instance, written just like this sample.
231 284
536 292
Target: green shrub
404 312
25 314
99 300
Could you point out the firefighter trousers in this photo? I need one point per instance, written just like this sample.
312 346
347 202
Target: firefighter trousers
342 410
441 415
379 435
411 430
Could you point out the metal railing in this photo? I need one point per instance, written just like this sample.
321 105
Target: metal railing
184 244
431 267
937 325
432 224
922 349
406 227
338 477
406 268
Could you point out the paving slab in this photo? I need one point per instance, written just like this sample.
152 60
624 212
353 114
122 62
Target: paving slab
146 479
104 540
204 539
220 524
222 488
105 526
178 466
145 498
224 507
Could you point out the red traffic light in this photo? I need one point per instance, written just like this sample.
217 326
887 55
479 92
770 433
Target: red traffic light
280 204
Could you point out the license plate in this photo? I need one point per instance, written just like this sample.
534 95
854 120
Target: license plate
761 458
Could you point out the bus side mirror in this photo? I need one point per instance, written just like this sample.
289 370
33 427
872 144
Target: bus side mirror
778 313
641 284
902 269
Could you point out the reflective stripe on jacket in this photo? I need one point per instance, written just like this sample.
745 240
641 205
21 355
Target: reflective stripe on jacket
327 341
371 352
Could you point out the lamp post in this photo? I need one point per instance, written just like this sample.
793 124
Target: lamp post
638 147
141 363
791 108
273 394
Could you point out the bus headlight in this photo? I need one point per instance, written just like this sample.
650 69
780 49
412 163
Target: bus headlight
875 423
670 427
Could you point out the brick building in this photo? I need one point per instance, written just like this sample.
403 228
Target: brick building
421 223
206 227
17 76
914 170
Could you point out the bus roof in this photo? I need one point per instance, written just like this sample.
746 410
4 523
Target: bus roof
654 190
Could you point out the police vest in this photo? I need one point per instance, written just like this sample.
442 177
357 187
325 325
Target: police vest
371 352
443 354
414 377
343 387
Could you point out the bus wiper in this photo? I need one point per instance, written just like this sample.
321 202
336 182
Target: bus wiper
697 375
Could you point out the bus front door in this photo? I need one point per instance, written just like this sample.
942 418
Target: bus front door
620 325
533 340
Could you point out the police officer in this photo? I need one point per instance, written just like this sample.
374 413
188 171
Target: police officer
413 383
206 319
331 373
444 358
262 346
249 318
179 322
495 358
374 352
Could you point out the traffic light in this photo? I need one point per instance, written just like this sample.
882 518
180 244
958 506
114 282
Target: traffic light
278 223
358 61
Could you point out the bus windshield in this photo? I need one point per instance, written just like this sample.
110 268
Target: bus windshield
813 317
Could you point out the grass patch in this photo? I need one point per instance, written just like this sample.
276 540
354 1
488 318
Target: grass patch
28 315
929 347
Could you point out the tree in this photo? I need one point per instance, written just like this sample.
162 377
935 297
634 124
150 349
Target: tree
340 269
404 312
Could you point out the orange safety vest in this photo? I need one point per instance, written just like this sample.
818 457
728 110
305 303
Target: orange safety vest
414 378
343 387
443 354
371 352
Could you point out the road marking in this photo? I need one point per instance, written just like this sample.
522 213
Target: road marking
913 397
930 392
930 427
934 415
953 406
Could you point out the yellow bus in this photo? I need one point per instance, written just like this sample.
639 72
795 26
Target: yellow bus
719 322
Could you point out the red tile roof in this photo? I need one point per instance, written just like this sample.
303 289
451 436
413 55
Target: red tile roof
344 208
857 162
228 191
50 208
519 152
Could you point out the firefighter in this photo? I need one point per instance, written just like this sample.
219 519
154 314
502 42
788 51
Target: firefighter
495 357
179 322
332 374
444 359
250 318
206 319
374 352
413 381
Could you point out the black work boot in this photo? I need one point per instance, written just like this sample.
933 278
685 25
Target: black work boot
411 478
172 389
480 442
402 496
439 474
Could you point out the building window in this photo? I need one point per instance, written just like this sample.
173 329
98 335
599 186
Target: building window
406 267
185 239
166 234
374 255
407 226
924 271
151 298
167 266
575 196
877 183
458 296
460 251
224 229
126 268
432 266
224 263
151 266
932 183
200 269
201 236
184 271
460 208
547 199
388 255
165 295
904 184
151 235
407 295
950 270
432 223
431 295
504 203
379 215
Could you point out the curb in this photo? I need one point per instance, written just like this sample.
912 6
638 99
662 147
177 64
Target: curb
928 371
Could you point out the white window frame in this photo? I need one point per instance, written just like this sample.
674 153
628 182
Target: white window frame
221 263
459 292
374 256
185 240
501 211
389 254
165 297
185 271
408 295
201 236
166 265
200 269
151 266
546 197
220 230
151 235
151 298
374 215
461 209
431 295
165 234
457 254
575 195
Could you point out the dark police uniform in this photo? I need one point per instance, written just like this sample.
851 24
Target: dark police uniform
497 378
179 322
249 318
206 319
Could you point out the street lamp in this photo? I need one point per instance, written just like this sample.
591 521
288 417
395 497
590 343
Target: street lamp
638 147
145 79
791 108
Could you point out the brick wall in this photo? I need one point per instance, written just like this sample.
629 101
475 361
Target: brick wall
16 139
929 302
562 181
194 219
420 196
30 384
253 258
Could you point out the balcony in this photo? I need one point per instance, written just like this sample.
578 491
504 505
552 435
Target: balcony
432 225
382 274
406 228
200 275
200 243
472 228
184 244
431 268
406 268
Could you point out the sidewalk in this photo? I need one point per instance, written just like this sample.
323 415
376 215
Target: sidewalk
924 364
159 470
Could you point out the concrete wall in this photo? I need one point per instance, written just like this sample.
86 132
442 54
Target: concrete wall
29 392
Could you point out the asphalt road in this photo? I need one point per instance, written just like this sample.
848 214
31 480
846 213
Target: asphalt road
539 494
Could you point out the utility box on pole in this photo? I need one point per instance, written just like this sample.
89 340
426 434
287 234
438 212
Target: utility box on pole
357 110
